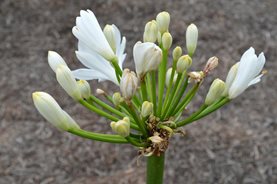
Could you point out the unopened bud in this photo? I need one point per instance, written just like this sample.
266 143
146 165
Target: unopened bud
230 78
84 88
166 40
163 20
183 63
52 112
54 60
150 32
177 53
215 91
146 108
100 91
191 38
110 34
128 84
117 99
147 57
121 127
211 64
67 81
168 77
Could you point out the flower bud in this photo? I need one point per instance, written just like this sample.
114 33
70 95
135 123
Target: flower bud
67 81
211 64
117 99
147 57
128 84
54 60
215 91
177 53
110 34
166 40
84 88
191 38
121 127
163 20
52 112
168 76
146 109
183 63
230 78
150 32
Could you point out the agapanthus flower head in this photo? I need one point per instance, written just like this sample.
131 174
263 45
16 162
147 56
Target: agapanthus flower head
247 74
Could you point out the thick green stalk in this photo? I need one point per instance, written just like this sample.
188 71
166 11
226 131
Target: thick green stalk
99 137
162 72
155 169
143 89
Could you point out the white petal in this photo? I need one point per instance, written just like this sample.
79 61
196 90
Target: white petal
255 80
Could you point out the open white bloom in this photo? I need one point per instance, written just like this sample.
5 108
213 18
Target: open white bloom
54 60
247 74
147 57
52 112
96 50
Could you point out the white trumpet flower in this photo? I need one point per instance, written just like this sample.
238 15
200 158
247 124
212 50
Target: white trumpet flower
97 50
147 57
52 112
247 73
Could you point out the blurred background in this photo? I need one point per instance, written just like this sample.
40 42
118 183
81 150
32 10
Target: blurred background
237 144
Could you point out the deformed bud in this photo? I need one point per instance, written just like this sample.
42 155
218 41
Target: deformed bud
146 108
117 99
121 127
155 139
215 91
191 38
52 112
168 76
211 64
163 20
84 88
67 81
177 52
150 32
166 40
183 63
196 76
128 84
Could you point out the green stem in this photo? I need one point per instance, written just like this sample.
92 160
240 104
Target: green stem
99 137
143 89
162 72
153 89
155 169
135 142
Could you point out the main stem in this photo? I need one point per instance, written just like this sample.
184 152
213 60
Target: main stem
155 169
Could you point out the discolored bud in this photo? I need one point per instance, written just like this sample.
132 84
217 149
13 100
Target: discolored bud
166 40
163 20
211 64
215 91
196 76
128 84
67 81
183 63
117 99
150 32
121 127
146 108
155 139
84 88
191 38
177 53
100 91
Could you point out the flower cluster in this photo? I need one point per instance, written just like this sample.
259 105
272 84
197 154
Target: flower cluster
147 110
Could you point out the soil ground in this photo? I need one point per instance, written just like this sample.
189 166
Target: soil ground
234 145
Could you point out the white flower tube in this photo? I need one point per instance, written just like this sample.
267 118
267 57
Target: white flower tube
52 112
55 60
247 74
68 82
96 50
147 57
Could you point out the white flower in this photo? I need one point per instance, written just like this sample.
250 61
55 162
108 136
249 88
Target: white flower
54 60
95 50
52 112
147 57
247 74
